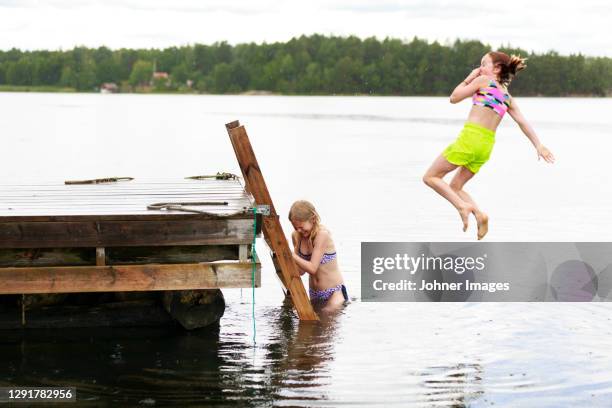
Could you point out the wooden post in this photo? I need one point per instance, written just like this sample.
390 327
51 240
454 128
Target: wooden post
273 232
243 253
100 256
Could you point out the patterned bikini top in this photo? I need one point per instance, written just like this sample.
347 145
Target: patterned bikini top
327 257
492 97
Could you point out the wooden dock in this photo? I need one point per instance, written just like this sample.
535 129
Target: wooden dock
58 238
181 239
185 237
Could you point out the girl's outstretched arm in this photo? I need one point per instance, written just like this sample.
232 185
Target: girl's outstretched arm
518 117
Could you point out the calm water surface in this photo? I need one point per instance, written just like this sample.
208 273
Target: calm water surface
360 160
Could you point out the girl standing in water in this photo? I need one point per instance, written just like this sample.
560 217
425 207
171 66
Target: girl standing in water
315 254
488 86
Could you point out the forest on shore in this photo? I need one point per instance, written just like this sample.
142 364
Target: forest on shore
307 65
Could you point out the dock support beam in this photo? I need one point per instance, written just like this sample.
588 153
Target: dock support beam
273 232
128 278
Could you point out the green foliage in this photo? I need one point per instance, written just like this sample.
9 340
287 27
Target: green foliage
313 64
108 67
161 84
181 73
142 71
79 70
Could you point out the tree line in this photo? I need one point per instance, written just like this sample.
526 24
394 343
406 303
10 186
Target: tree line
316 64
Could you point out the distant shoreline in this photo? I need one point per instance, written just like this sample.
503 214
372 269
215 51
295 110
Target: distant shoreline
305 65
60 89
45 88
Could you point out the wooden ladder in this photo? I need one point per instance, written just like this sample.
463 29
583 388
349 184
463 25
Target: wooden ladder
273 232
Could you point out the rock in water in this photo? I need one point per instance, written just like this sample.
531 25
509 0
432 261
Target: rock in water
195 309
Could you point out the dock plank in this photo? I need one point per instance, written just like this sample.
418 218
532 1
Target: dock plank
121 198
54 214
123 278
100 233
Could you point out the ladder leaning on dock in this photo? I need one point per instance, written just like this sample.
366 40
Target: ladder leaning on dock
272 229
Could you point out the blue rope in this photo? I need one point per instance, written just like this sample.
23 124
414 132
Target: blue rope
254 267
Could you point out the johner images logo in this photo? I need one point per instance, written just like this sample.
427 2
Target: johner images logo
492 271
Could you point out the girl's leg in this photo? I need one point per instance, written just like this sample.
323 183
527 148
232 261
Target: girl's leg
462 176
433 178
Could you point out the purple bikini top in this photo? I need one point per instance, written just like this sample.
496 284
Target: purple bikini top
325 259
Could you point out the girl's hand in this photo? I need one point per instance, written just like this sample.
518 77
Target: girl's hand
546 154
473 75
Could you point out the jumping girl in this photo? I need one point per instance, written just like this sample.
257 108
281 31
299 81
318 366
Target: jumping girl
488 86
315 254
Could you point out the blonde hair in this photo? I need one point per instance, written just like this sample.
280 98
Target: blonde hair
303 211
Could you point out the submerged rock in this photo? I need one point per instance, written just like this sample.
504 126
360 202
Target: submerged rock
195 309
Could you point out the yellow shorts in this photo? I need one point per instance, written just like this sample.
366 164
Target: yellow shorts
472 148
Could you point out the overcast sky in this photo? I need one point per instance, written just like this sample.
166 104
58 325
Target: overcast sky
539 25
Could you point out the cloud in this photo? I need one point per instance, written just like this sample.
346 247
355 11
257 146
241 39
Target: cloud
189 6
422 8
538 25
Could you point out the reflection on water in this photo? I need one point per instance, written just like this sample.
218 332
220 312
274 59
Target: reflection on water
430 355
299 356
150 365
458 385
171 366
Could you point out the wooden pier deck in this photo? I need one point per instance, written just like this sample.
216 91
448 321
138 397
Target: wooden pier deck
185 238
62 238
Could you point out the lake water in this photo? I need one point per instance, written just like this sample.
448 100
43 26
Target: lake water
360 161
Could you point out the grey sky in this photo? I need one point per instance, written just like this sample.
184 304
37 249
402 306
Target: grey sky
540 25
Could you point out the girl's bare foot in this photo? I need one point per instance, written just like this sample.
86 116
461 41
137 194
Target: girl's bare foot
482 220
465 212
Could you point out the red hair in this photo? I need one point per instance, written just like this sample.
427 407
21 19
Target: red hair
509 65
